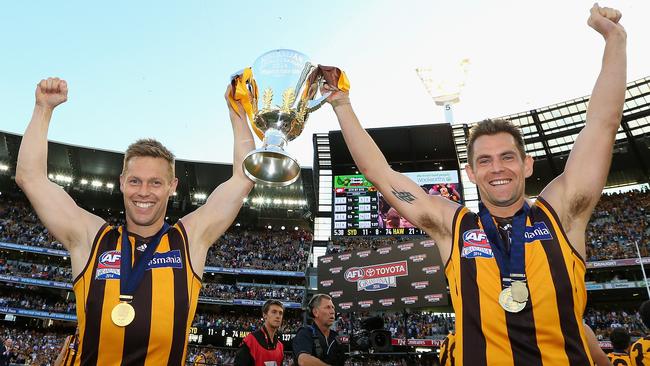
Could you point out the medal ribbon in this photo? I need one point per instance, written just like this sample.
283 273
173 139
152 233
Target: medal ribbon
130 277
513 266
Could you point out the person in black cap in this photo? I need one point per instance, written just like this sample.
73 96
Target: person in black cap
263 347
317 344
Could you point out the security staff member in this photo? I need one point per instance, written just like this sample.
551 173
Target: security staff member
317 345
263 347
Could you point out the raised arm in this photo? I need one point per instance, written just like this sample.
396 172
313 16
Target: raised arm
432 214
597 354
206 224
576 191
74 227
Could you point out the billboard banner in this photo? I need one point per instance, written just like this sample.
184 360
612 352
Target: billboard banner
404 275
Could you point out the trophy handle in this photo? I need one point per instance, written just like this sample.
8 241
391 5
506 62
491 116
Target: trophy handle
313 105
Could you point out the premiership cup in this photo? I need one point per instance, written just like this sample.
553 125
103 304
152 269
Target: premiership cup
288 86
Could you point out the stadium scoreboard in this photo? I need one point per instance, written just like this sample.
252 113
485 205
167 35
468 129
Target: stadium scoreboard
360 210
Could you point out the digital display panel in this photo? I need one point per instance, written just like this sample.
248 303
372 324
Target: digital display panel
360 210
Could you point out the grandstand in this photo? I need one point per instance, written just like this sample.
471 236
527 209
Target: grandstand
272 248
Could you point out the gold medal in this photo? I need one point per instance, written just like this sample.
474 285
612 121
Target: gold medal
519 291
508 304
123 314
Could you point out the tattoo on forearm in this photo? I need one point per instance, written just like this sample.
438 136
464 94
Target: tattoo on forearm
405 196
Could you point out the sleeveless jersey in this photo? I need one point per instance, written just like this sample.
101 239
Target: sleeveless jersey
640 352
548 331
619 359
164 302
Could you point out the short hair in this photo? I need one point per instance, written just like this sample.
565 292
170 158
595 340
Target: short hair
644 310
267 305
315 302
620 338
149 148
490 127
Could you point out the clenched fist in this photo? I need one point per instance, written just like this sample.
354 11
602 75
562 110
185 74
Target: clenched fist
51 92
605 21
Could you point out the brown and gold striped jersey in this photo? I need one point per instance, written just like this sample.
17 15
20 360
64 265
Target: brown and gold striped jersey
548 331
164 302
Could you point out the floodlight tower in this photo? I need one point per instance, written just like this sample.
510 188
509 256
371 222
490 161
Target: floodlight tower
445 92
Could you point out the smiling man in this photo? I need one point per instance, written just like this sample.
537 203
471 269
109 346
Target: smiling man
516 269
136 286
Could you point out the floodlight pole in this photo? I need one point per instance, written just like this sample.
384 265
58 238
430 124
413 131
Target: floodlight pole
645 279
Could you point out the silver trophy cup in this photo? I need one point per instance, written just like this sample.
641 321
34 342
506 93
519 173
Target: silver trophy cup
288 86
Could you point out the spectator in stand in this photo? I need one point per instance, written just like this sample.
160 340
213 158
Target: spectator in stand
6 352
263 347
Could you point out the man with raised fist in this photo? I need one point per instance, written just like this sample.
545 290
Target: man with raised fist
137 285
516 269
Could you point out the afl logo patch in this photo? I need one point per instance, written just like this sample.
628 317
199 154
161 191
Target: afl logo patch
108 266
476 244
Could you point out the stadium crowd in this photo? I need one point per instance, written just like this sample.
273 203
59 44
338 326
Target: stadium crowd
35 270
602 321
229 292
619 220
32 301
32 347
353 243
262 249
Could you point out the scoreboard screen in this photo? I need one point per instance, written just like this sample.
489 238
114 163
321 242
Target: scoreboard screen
360 210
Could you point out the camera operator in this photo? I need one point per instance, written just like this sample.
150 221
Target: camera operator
317 345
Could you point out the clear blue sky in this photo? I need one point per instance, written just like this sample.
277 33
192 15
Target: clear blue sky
159 69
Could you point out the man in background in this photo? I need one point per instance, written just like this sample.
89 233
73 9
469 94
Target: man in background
263 346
